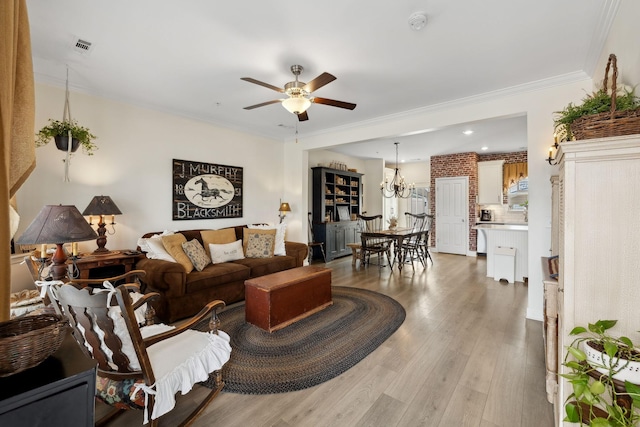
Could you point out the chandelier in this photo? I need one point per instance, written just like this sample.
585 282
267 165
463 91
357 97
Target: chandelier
397 187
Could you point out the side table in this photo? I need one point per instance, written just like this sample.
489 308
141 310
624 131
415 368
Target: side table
58 392
102 266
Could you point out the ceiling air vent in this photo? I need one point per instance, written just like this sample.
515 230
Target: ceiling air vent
82 46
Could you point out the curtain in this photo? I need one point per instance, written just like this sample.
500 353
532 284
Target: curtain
17 116
512 172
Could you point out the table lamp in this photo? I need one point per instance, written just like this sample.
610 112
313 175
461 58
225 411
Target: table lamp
57 224
102 206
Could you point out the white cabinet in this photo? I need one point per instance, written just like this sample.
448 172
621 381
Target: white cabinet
599 201
490 182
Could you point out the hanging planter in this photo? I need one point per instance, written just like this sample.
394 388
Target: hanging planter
59 131
62 131
62 142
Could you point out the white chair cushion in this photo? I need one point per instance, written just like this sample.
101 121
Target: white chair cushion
181 361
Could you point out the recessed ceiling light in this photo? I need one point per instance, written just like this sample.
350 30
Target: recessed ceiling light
467 132
485 148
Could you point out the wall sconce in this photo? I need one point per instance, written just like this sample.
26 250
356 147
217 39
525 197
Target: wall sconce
57 224
553 151
102 206
284 208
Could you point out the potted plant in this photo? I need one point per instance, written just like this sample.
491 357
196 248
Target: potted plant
599 366
604 113
595 103
59 131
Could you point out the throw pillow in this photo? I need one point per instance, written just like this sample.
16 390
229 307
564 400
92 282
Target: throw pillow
196 254
279 248
173 245
226 252
259 243
219 237
155 249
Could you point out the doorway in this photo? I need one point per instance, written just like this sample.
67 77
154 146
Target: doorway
452 213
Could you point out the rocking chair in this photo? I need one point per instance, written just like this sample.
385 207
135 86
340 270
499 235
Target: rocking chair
143 368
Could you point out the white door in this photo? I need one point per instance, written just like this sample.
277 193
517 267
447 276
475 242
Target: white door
452 212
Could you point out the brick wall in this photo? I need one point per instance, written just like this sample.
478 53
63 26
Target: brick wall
465 164
517 157
453 165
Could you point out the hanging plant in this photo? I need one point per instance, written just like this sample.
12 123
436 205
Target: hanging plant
59 131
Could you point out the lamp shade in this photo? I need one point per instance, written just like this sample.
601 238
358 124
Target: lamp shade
101 205
57 224
284 207
296 104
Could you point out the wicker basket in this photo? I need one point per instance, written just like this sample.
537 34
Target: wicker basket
26 341
613 123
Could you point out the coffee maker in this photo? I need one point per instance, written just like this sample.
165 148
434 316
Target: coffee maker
485 215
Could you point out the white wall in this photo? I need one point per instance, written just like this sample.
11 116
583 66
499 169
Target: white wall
418 173
623 42
537 104
134 166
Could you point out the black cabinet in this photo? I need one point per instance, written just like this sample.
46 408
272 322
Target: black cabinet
58 392
337 199
337 195
336 236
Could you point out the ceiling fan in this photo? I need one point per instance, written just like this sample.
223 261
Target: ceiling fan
299 94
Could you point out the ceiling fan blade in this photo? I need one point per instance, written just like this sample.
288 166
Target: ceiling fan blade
319 81
333 103
258 82
251 107
303 117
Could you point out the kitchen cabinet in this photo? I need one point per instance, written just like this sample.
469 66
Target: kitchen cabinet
490 182
599 201
337 199
510 236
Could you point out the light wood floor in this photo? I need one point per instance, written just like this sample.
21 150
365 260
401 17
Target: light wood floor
465 356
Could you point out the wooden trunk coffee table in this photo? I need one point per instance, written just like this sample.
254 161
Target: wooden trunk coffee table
279 299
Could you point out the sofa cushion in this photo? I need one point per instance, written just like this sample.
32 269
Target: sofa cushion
154 248
259 243
216 275
173 245
226 252
218 237
279 248
262 266
196 254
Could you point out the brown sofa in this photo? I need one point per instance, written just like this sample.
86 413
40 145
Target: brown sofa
183 295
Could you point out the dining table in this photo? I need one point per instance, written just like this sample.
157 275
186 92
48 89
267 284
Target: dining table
396 235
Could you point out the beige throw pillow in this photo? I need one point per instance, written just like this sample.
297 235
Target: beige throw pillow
196 254
226 252
279 248
173 245
258 243
218 237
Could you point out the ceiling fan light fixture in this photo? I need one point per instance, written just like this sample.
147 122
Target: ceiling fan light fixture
296 104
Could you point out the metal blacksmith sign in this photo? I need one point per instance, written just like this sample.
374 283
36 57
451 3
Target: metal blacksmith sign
206 191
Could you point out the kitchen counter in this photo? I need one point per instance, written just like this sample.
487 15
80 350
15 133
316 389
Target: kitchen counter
507 235
499 226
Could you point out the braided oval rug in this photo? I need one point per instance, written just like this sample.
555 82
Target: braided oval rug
312 350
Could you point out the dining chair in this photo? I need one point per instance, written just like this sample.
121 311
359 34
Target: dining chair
373 245
412 247
312 242
143 367
424 241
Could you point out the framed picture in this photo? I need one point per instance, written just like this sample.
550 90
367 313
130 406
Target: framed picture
343 213
206 190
